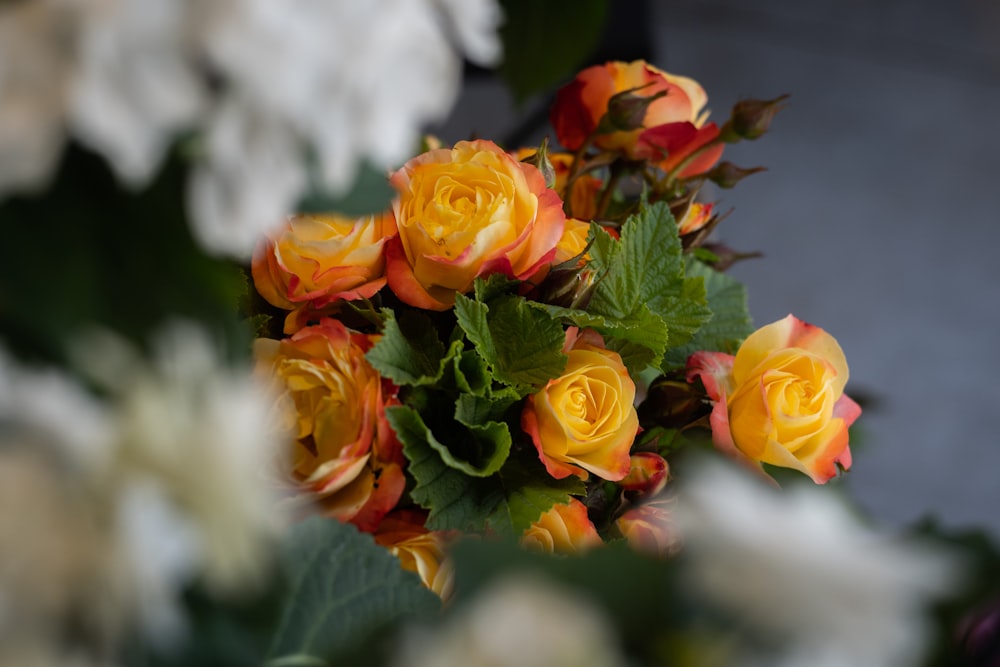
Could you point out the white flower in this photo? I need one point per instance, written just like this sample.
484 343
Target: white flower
110 508
519 621
137 84
270 84
36 68
798 569
347 81
199 432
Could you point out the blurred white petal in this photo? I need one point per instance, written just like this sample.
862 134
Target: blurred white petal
798 568
36 69
249 181
518 621
476 24
137 85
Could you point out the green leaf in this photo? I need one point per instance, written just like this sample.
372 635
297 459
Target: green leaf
493 286
522 345
527 492
344 588
472 410
370 193
642 277
409 352
506 502
730 323
485 446
544 42
472 375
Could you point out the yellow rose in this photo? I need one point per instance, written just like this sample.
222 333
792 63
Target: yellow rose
315 260
573 241
469 211
419 550
344 453
781 399
584 421
648 528
564 529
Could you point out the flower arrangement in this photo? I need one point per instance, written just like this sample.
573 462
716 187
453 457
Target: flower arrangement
483 416
523 341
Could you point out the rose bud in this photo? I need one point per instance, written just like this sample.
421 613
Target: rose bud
627 111
750 119
727 174
648 475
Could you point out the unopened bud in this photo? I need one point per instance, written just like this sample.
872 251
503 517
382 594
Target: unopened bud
540 159
671 403
727 174
647 475
568 286
627 111
750 119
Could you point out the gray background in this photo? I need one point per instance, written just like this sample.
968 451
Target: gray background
878 215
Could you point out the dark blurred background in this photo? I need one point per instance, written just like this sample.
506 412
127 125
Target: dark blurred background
879 214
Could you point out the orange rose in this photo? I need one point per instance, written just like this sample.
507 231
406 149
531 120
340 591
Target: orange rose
670 131
583 195
573 241
564 529
419 550
649 529
697 216
332 401
315 260
469 211
584 420
781 399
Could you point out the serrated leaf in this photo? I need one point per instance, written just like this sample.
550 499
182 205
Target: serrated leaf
471 410
730 322
484 446
522 345
580 318
528 491
506 502
493 286
344 587
472 376
409 351
686 311
645 270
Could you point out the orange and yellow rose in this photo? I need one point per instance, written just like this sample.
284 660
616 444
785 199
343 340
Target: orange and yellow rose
314 260
333 403
419 550
564 529
648 528
672 131
584 421
582 195
464 212
781 399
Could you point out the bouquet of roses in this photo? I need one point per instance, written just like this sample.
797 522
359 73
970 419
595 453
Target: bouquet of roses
520 345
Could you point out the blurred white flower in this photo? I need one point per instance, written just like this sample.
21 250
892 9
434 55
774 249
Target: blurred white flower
805 575
136 84
271 84
195 433
110 508
36 69
519 621
348 81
